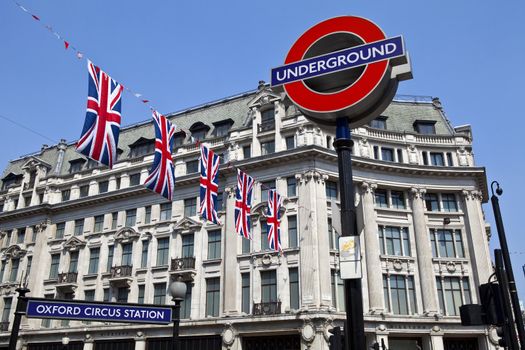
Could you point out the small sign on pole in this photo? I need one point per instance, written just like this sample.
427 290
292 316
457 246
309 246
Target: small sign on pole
350 257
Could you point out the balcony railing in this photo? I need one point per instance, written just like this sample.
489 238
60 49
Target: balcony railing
67 277
268 308
121 271
4 326
266 126
182 263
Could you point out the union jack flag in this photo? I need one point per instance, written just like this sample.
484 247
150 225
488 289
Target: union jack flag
274 220
161 178
102 125
243 204
209 185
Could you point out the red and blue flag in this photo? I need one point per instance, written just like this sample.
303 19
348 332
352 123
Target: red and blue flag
274 220
209 185
243 204
101 130
161 178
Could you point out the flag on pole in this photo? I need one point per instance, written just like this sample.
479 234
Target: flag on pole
274 220
243 204
161 178
101 130
209 185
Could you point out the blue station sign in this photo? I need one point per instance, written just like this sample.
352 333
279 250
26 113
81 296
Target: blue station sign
97 311
339 60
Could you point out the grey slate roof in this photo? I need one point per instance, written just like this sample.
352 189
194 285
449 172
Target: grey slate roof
401 116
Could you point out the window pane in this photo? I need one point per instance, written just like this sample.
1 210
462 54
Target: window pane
449 202
245 291
127 254
165 211
398 199
187 245
144 257
292 231
185 306
163 246
268 286
214 244
264 235
93 260
431 202
437 159
265 187
212 296
294 288
291 184
131 216
387 154
381 199
190 207
460 251
331 190
159 293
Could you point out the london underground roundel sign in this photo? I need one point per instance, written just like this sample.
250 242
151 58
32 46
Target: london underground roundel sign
343 67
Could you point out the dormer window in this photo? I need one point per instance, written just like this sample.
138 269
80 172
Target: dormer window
222 127
425 127
11 180
199 131
178 138
378 123
142 147
267 120
76 165
92 164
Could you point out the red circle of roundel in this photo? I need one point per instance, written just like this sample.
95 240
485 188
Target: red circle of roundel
303 96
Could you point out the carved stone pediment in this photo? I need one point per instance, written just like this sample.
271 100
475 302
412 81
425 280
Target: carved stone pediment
13 252
265 97
34 162
187 224
74 244
126 234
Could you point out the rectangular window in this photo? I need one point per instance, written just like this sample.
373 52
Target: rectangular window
89 295
246 246
376 152
103 186
111 251
131 217
73 262
398 199
264 236
221 129
394 241
245 292
192 166
6 312
399 294
447 243
134 179
117 183
190 207
105 297
144 257
399 155
437 159
15 264
213 289
294 288
431 202
165 211
20 235
214 244
449 202
187 245
46 322
339 289
381 198
84 191
246 151
387 154
331 190
147 214
185 306
425 127
159 293
114 218
291 186
29 263
292 231
425 158
99 223
79 227
122 294
290 142
2 271
53 270
333 238
265 187
378 123
451 295
267 147
142 290
127 254
94 255
163 251
450 162
220 198
34 234
268 286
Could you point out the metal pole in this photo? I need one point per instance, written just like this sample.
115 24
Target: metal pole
355 332
508 265
175 342
21 306
511 338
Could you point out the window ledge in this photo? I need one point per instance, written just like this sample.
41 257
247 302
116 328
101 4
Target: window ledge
399 257
142 270
212 261
51 280
56 240
160 268
90 276
450 259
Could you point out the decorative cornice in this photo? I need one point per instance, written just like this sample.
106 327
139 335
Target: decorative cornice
73 244
13 252
368 187
417 193
126 234
187 224
472 195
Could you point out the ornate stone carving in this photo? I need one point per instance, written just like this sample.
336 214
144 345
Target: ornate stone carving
364 148
187 224
308 332
74 244
472 195
412 154
126 234
367 187
451 267
417 193
462 157
13 252
228 335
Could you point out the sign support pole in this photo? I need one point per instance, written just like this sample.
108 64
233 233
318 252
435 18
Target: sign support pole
355 330
20 311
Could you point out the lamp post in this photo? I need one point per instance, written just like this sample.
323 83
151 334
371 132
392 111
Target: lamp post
178 292
506 261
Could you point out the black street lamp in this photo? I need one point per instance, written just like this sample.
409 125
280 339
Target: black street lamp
178 292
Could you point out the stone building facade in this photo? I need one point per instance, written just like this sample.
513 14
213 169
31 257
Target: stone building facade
74 230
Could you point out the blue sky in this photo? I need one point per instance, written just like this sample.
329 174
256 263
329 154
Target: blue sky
180 54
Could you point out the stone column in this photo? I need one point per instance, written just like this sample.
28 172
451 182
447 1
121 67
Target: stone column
112 183
309 268
436 338
323 239
93 188
372 251
424 253
256 120
279 115
230 266
476 238
140 341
